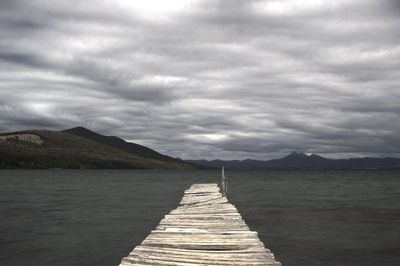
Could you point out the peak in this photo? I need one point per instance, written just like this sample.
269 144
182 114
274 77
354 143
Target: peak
78 129
82 132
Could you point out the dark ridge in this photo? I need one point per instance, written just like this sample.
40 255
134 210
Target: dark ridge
299 160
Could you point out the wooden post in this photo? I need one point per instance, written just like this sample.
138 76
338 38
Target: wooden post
224 183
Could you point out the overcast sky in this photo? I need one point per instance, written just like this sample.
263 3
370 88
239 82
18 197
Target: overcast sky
208 79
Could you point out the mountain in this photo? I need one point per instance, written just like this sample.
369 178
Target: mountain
67 149
298 160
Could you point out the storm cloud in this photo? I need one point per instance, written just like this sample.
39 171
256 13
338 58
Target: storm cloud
207 78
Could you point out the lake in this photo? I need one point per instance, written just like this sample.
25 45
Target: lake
96 217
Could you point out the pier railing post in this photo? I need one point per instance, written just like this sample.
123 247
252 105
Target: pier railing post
224 183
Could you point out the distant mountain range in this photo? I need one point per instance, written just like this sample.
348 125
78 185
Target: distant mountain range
79 148
298 160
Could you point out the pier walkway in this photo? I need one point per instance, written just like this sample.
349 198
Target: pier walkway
204 230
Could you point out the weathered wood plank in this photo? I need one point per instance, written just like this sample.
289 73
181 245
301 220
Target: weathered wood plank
204 230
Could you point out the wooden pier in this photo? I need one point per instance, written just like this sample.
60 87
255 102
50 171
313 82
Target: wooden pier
204 230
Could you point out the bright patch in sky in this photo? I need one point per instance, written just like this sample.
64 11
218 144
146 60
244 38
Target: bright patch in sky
208 137
40 107
288 7
156 8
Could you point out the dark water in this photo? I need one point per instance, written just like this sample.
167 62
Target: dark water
94 217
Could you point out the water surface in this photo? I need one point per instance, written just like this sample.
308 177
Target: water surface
96 217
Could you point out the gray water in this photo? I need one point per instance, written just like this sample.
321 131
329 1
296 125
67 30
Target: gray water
96 217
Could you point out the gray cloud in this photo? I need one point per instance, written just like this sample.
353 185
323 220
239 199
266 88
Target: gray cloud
212 79
22 59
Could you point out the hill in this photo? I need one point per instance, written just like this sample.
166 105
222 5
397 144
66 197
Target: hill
119 144
298 160
45 149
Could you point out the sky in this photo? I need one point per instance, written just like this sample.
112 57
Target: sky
208 79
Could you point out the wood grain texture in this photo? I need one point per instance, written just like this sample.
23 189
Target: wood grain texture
204 230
